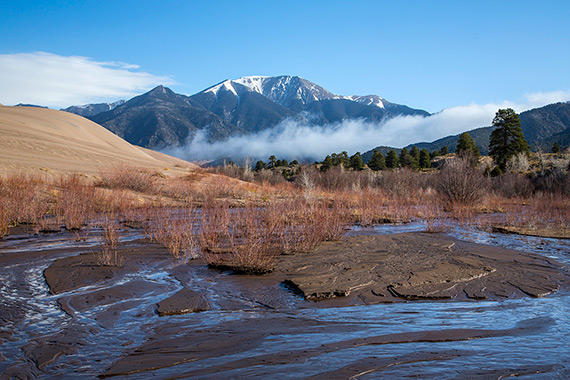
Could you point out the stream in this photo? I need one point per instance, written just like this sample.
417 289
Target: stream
300 340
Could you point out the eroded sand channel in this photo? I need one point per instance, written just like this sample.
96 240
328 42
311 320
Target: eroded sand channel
104 321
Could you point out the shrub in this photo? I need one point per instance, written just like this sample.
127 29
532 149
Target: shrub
460 182
177 230
127 177
513 185
75 201
109 254
4 219
553 181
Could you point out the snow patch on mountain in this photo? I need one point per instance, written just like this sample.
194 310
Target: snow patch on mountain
226 85
369 100
282 90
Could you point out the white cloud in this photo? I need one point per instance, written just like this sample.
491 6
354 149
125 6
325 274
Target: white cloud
291 139
540 99
60 81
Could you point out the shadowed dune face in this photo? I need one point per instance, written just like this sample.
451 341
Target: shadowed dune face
33 139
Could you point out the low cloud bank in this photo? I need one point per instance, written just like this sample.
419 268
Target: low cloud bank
293 140
60 81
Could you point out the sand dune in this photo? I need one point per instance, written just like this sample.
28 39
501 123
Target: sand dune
45 140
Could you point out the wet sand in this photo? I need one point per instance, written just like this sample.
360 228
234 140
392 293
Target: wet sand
357 270
414 266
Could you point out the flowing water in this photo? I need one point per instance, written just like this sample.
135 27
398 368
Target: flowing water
535 345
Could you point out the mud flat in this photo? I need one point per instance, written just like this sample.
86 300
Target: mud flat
154 316
550 232
416 266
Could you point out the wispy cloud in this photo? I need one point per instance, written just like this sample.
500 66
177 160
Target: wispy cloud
291 139
60 81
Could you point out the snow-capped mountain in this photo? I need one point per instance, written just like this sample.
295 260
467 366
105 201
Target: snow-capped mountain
286 96
87 110
288 91
246 105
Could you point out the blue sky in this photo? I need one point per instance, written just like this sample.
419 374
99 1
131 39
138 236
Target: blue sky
425 54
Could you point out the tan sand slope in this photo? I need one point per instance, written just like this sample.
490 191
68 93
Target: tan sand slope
38 139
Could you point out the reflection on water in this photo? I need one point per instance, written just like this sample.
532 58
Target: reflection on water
539 353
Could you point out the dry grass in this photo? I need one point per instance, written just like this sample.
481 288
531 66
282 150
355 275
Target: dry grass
76 201
247 240
177 230
127 177
109 255
4 219
245 226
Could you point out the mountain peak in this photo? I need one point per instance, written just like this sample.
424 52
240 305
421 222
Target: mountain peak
160 89
288 91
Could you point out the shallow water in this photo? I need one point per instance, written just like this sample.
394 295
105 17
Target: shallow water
540 351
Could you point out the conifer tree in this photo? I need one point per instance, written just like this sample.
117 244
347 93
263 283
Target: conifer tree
466 147
260 165
507 138
555 148
392 160
356 162
407 160
425 159
326 164
378 161
415 152
272 162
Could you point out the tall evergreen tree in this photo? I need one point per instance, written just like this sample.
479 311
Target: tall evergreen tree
555 148
260 165
407 160
507 138
341 159
466 146
356 162
392 160
415 152
378 161
272 162
425 159
327 163
444 150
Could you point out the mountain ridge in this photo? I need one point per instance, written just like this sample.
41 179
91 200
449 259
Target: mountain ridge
161 118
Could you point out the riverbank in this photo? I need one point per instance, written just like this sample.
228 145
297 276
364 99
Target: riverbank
90 302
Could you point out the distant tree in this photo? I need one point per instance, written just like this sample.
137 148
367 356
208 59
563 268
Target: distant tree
444 150
555 148
507 138
356 162
272 162
407 160
378 161
466 147
425 159
392 160
403 152
259 165
415 152
295 162
327 163
341 159
284 162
